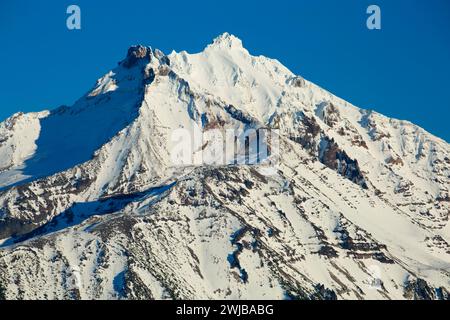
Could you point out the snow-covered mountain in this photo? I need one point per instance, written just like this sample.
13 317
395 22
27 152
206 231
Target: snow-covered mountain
95 203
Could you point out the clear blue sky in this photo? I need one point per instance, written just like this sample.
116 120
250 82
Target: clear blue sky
402 71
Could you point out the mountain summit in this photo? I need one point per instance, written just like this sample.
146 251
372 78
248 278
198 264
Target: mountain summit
220 175
227 40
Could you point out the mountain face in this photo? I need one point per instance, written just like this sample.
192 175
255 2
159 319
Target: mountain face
135 192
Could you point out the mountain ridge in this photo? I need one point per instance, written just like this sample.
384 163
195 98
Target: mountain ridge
349 205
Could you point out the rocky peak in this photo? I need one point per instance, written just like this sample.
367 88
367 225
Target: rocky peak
226 41
136 53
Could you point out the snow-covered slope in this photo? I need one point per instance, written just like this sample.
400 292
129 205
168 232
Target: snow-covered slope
94 202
